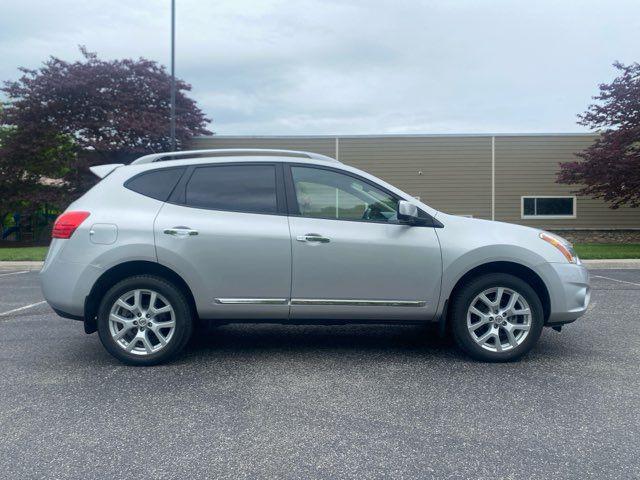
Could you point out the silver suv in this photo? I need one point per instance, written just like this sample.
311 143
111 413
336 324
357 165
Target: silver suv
283 236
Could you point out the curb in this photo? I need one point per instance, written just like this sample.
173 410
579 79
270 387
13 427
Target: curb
21 265
623 263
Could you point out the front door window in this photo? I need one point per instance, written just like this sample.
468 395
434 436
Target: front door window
323 193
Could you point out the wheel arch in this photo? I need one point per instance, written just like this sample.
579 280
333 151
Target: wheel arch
124 270
523 272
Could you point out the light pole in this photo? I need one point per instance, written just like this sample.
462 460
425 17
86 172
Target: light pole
173 75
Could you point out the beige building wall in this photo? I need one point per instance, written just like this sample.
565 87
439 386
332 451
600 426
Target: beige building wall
479 175
527 166
452 174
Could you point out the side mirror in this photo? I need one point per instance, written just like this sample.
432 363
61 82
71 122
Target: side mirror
407 212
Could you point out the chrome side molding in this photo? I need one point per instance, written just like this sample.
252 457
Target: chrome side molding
252 301
320 301
358 303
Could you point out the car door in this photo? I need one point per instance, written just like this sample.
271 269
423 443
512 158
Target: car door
224 230
352 259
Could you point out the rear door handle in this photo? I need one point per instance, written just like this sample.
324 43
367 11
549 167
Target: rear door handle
313 237
181 232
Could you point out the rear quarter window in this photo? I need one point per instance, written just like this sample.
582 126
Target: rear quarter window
156 184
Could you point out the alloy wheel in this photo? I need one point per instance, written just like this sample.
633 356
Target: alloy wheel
499 319
142 322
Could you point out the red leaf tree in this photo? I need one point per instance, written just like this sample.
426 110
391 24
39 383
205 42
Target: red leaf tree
67 116
610 168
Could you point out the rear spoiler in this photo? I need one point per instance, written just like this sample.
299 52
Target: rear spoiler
102 171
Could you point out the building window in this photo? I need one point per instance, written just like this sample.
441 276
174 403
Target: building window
548 207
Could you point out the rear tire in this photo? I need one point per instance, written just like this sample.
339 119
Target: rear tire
144 320
496 318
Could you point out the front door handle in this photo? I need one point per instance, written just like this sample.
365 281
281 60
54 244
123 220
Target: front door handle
181 232
313 237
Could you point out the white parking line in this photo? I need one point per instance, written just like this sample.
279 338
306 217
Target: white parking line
13 273
616 280
22 308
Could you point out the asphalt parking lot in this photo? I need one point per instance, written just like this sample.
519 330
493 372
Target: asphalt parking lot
265 401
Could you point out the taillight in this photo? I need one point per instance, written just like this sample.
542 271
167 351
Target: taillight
67 223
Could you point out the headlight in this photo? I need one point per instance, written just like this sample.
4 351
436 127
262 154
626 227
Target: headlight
565 247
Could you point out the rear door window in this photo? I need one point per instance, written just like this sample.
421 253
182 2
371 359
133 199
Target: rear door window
237 188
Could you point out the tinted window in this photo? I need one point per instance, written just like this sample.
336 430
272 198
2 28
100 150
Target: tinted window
240 188
554 206
327 194
529 206
156 184
548 206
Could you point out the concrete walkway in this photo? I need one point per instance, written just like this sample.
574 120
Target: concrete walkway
591 264
630 263
20 266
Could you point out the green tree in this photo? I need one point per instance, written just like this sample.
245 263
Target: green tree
32 171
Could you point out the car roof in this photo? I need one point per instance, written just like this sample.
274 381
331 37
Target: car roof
239 158
228 159
225 152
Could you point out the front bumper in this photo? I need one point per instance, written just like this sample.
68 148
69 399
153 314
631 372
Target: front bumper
569 291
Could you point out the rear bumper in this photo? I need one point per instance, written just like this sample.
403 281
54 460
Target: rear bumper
62 314
569 291
66 285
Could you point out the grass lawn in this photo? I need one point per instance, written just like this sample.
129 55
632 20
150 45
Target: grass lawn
23 253
586 251
591 251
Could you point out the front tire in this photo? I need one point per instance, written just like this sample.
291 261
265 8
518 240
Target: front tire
496 318
144 320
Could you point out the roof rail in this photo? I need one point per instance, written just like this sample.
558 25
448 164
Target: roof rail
157 157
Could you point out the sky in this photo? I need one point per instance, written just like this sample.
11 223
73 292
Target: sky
298 67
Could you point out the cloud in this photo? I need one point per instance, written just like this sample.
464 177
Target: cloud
377 66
